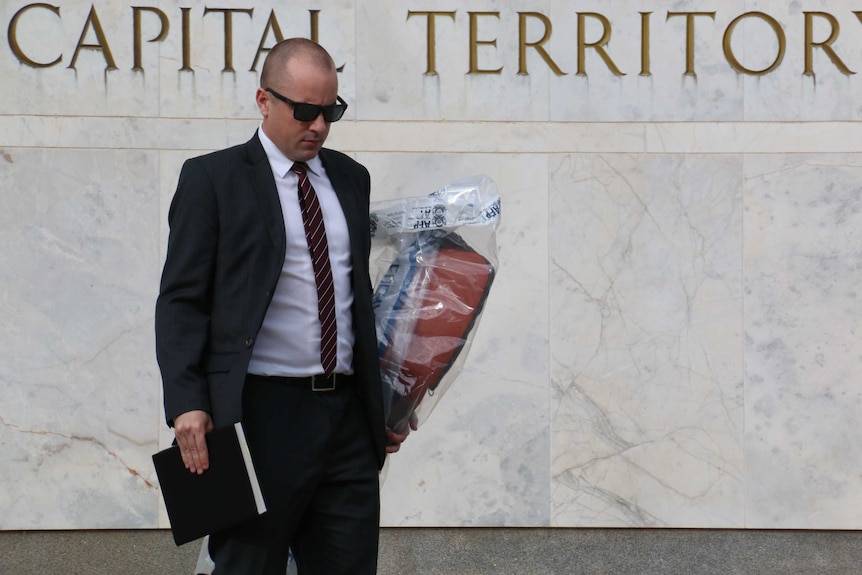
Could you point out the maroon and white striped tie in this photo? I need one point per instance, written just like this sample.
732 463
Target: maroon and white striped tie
315 235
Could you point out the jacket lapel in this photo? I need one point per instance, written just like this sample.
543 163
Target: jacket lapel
344 190
261 177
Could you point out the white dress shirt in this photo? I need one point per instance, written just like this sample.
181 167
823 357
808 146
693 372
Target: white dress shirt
288 343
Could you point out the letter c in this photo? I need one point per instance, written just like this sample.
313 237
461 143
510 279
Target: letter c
13 36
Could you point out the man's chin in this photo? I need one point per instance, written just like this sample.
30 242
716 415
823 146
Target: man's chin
309 150
304 154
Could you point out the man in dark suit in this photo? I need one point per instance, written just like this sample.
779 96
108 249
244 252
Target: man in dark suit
264 316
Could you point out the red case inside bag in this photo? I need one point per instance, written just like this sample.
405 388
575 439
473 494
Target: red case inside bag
451 291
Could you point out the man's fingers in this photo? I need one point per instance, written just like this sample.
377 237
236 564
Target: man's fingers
190 429
195 457
394 441
396 437
199 452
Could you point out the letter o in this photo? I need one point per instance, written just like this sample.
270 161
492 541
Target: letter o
779 33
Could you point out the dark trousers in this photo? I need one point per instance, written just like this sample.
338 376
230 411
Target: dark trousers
315 460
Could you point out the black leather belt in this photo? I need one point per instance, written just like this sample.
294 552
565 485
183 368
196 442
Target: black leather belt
314 382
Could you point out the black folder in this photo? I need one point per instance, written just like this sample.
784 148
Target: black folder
225 495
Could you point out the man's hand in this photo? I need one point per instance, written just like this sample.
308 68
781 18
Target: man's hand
394 440
189 429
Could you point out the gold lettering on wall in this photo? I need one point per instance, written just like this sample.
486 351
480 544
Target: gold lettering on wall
102 45
271 26
187 43
475 42
12 35
645 36
826 45
779 35
819 30
228 32
314 23
598 46
538 45
431 37
314 27
689 37
136 32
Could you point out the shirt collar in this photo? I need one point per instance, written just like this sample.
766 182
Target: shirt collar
280 163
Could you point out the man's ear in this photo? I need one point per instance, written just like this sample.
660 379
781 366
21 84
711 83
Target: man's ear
263 101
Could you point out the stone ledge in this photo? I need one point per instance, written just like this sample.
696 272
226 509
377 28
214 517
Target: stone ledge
475 551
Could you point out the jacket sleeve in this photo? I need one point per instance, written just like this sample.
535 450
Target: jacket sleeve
184 304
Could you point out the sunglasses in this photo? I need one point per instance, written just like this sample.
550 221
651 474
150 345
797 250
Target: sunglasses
309 112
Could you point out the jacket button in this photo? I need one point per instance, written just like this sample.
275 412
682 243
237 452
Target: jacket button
249 342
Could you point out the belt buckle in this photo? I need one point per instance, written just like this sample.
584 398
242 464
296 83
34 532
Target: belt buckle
315 387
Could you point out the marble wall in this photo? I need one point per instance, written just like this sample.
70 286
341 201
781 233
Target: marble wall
672 339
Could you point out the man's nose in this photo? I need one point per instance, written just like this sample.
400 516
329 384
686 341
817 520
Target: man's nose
318 124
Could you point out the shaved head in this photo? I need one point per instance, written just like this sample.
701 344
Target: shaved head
297 72
275 67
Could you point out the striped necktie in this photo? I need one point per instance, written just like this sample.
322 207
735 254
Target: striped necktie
315 235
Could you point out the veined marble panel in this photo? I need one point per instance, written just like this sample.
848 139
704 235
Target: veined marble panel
494 137
690 237
659 90
832 90
420 137
393 81
78 380
720 70
751 137
116 133
481 457
803 269
49 37
214 90
439 137
188 64
489 60
646 403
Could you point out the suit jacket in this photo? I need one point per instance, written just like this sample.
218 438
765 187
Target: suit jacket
225 253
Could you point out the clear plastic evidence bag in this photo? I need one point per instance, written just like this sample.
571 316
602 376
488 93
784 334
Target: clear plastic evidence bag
436 258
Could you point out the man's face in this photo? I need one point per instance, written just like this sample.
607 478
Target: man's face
303 83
